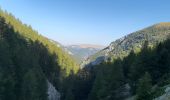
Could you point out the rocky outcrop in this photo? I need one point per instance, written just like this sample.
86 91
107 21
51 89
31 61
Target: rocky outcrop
134 41
123 92
165 96
53 94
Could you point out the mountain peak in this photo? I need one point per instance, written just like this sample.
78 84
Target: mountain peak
88 46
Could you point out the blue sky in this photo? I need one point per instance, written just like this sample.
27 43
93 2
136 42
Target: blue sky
88 21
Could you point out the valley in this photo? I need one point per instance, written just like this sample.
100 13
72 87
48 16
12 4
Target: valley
35 67
82 51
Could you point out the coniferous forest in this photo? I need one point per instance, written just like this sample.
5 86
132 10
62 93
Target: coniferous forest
142 75
28 61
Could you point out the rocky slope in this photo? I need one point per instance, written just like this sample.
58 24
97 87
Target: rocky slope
53 94
166 95
121 47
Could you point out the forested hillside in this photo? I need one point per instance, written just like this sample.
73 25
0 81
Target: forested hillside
28 33
122 47
137 66
28 60
143 74
139 76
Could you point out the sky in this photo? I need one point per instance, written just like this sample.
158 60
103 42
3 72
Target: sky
88 21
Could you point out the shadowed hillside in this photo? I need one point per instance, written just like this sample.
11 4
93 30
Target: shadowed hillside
28 61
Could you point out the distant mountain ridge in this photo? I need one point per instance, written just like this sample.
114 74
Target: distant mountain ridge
87 46
79 52
82 51
134 41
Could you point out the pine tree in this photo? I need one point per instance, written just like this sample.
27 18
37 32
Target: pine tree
144 88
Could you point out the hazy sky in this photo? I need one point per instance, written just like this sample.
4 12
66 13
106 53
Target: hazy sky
88 21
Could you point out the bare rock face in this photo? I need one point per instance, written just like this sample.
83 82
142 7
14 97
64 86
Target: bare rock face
53 94
165 96
123 92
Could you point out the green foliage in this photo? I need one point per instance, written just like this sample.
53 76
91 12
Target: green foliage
157 91
77 86
21 76
122 47
110 78
144 88
63 59
33 87
28 60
